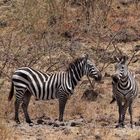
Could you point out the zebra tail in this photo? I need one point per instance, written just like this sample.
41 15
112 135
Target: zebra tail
113 100
11 92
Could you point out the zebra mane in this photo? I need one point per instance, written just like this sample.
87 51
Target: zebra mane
75 62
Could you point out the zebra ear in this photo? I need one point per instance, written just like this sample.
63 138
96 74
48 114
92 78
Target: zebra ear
85 57
116 59
123 59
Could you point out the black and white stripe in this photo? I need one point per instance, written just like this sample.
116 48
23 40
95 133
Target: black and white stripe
125 89
27 81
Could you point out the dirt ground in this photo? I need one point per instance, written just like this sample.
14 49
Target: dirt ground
83 120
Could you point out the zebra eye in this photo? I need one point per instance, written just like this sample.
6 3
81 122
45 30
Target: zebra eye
122 67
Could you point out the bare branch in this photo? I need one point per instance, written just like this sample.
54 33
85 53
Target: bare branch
132 57
91 84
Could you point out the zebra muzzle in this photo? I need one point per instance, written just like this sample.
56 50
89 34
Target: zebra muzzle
115 78
98 77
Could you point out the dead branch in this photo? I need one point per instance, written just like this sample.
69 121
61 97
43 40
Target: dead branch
91 84
3 66
52 65
132 57
110 42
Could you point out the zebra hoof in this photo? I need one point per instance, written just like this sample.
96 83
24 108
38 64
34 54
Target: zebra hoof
17 121
31 124
131 126
61 120
29 121
120 126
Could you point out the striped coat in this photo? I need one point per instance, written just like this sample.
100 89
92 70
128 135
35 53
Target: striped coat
125 90
27 81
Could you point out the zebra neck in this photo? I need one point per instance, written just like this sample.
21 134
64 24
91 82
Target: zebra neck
125 78
74 76
125 83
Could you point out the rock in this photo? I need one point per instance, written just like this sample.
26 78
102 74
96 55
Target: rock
137 123
97 137
90 95
127 35
40 121
107 74
55 125
50 123
126 2
3 24
67 34
137 48
73 124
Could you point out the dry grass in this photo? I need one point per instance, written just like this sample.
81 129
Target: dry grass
55 33
100 118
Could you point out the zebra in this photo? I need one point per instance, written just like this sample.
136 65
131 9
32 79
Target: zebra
27 82
125 90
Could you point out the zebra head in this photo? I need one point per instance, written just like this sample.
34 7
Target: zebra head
91 70
121 69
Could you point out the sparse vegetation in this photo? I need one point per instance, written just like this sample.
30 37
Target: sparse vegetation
47 35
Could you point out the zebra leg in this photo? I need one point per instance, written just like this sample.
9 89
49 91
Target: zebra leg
125 106
62 103
131 113
26 100
17 104
19 97
120 114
